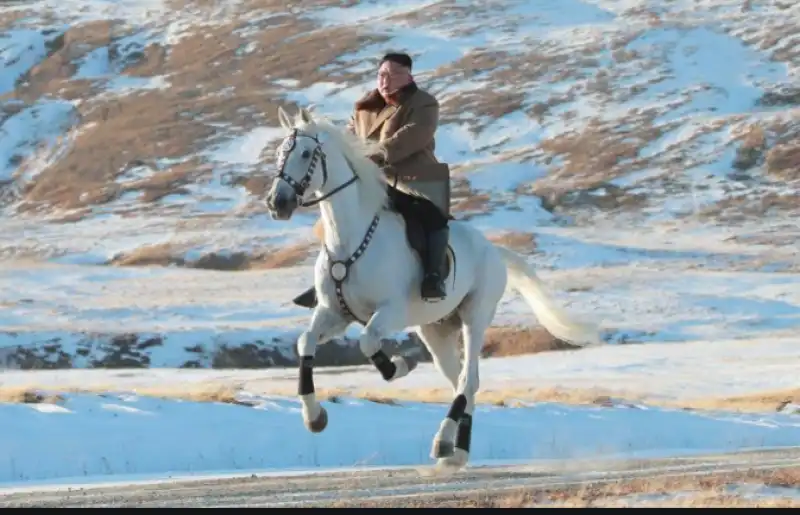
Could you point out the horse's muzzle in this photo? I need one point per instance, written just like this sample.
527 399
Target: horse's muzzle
281 206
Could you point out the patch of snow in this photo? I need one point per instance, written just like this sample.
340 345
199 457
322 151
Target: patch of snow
20 50
95 64
132 11
247 148
370 11
723 75
248 154
40 125
503 177
121 85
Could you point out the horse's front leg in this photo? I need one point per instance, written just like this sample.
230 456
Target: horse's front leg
387 319
325 325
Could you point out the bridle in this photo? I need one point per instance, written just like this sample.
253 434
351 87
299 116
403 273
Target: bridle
287 146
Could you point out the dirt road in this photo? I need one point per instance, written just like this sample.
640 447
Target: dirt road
393 487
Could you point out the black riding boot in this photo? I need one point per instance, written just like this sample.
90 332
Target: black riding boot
433 287
307 299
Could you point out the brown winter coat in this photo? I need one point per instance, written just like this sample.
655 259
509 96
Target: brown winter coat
406 132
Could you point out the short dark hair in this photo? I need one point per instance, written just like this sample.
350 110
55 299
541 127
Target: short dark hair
398 58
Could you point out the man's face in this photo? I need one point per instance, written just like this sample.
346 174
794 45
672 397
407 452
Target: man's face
391 77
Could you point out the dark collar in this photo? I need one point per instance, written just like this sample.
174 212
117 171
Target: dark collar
373 101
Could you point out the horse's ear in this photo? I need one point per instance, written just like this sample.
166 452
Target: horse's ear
305 115
283 117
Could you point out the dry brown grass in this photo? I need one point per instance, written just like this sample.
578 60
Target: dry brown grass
517 240
206 392
175 121
381 399
52 75
228 390
757 402
751 149
515 341
784 161
700 490
198 392
510 397
8 17
767 402
515 71
597 154
169 254
26 395
161 254
747 206
693 491
292 255
480 203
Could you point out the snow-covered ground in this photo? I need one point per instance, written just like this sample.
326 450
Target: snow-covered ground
716 307
124 435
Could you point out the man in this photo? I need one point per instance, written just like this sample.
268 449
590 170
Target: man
404 119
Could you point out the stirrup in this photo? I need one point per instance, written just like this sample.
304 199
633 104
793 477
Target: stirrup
434 298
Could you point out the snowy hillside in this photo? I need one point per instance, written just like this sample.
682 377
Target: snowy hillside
643 153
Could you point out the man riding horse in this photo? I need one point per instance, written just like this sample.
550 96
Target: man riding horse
404 119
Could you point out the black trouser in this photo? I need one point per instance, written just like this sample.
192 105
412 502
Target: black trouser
424 210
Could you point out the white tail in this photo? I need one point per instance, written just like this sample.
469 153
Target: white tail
522 278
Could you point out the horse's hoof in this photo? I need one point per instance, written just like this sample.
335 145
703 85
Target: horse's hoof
454 463
442 449
319 425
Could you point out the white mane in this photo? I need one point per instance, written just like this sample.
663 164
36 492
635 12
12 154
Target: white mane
355 150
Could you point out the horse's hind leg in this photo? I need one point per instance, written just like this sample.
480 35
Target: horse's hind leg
442 342
386 320
452 443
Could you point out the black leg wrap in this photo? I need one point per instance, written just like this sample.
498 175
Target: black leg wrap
464 434
306 385
383 364
457 408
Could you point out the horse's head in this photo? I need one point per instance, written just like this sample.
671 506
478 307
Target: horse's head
302 168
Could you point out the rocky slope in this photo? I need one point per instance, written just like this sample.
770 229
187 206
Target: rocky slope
132 135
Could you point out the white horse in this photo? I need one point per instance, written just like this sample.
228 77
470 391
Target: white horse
367 272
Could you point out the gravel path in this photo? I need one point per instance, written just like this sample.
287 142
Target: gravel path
392 487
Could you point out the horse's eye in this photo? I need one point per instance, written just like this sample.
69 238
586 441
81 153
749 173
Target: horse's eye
306 154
